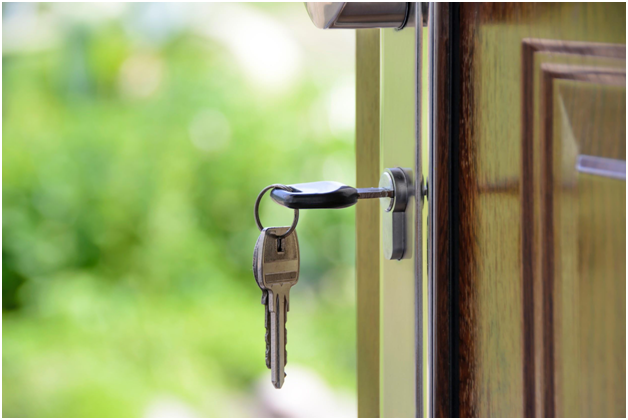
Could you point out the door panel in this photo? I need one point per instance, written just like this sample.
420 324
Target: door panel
583 234
547 63
529 263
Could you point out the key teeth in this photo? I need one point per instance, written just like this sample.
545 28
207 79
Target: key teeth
285 350
268 350
267 335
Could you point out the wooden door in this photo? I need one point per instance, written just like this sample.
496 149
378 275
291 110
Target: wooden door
528 202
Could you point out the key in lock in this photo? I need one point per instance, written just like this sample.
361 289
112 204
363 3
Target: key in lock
395 191
276 259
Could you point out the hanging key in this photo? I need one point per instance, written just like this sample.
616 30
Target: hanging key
276 255
278 268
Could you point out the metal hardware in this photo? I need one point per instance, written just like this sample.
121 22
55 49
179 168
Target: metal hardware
394 192
394 217
425 9
361 15
374 193
405 18
421 15
276 272
324 195
595 165
274 187
432 208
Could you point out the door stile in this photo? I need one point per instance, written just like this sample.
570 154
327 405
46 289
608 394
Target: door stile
401 290
367 220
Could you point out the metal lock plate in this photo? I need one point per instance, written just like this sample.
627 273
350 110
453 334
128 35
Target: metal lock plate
393 217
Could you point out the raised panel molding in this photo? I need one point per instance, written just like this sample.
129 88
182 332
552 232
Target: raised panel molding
546 64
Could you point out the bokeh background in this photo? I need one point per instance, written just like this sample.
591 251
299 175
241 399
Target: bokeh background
136 138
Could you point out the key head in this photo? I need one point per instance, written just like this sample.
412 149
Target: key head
316 195
278 260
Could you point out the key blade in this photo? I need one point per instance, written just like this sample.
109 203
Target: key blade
278 336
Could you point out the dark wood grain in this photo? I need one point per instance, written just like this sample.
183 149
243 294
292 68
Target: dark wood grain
440 216
465 182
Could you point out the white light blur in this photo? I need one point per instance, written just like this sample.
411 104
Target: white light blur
169 406
26 30
304 394
155 23
341 108
267 52
88 13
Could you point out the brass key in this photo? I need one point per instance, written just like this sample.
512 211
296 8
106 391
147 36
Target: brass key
277 270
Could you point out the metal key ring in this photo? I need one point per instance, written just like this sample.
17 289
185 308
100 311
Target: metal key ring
256 212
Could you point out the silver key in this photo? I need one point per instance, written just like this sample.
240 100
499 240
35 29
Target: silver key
278 268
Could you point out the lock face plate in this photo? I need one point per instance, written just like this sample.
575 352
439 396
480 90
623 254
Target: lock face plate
393 211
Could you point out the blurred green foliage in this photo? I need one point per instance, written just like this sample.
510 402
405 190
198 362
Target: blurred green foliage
127 238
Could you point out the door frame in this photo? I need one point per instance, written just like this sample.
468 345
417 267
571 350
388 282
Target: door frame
390 294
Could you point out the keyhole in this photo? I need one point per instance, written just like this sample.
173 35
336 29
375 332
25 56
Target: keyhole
280 248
